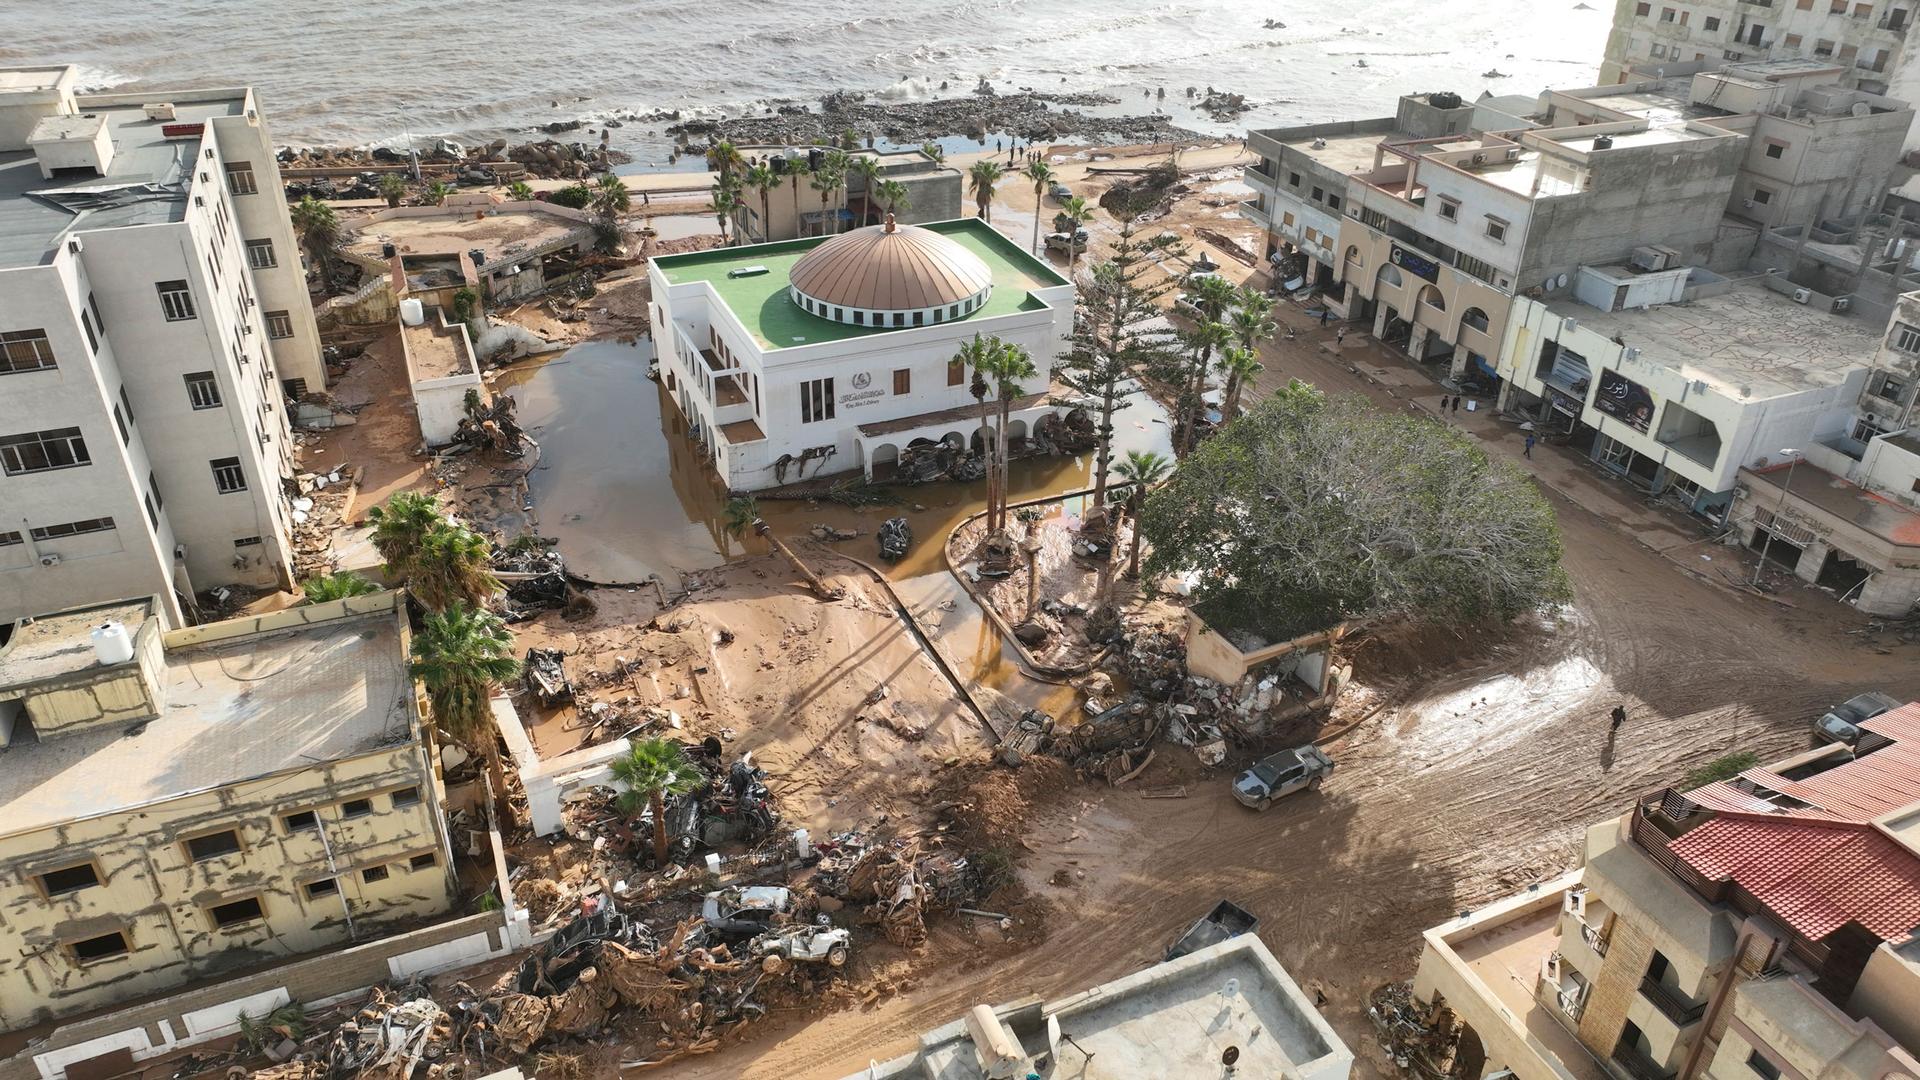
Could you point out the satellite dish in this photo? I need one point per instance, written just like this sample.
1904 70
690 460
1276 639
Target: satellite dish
1560 282
1230 1055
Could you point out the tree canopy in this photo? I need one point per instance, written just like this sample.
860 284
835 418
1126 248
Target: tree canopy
1311 510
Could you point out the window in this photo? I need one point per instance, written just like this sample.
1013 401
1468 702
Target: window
214 845
1449 209
41 451
422 862
356 808
1776 150
816 400
236 913
373 873
260 255
1318 193
1286 218
227 475
70 879
324 887
279 324
25 350
1657 52
899 318
1766 1069
1668 15
300 821
1496 228
153 516
103 947
1803 5
1762 196
903 381
98 320
72 528
1293 179
406 796
1906 338
240 178
1863 11
176 300
86 323
859 318
247 541
1884 384
153 485
120 421
1729 54
1847 53
295 388
1822 47
1710 23
956 373
1793 41
9 539
202 391
1683 17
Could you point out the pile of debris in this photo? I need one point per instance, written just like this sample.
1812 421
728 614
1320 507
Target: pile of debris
477 164
318 503
1418 1038
731 804
491 427
895 537
1069 433
925 461
535 577
896 883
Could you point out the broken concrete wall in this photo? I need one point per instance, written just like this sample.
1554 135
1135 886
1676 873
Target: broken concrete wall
551 783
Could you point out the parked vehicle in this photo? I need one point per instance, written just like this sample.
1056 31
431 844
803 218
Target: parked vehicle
1059 191
1059 241
820 943
1842 722
1282 774
745 911
1226 920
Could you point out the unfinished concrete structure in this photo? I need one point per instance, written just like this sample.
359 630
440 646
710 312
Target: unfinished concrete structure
505 250
177 805
1760 925
1226 1010
793 209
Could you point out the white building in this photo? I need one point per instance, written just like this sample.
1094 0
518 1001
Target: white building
153 313
840 351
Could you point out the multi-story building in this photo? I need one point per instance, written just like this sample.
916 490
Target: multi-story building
1762 926
153 315
794 209
1868 40
837 353
180 804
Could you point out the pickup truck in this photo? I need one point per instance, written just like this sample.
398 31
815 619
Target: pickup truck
1059 241
807 944
1282 774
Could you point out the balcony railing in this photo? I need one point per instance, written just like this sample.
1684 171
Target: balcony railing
1637 1064
1595 938
1670 1003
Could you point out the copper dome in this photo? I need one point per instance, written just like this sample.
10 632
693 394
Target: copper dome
889 268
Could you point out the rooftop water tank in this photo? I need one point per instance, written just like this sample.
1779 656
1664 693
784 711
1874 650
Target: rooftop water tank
111 644
413 312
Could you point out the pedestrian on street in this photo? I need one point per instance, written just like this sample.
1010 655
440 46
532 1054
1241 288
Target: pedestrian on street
1325 314
1528 452
1619 717
1340 336
1456 404
1443 404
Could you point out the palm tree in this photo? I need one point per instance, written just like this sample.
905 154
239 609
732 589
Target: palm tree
1011 363
462 655
611 197
340 586
824 182
724 159
520 191
981 179
1142 469
726 199
796 174
455 565
761 179
1241 365
978 356
933 151
893 195
393 188
436 193
318 228
1041 174
400 530
1203 340
743 514
654 771
867 168
1078 213
839 163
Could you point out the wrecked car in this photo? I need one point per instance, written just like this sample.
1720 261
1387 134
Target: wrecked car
1282 774
819 943
745 911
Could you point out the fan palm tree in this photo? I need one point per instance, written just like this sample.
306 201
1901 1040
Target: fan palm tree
340 586
400 530
726 199
318 227
1142 469
839 163
611 197
980 181
654 771
455 565
462 655
932 150
893 195
436 193
761 179
978 357
724 159
867 168
393 188
1077 213
824 182
743 515
797 174
1011 365
1041 174
1241 365
520 191
1203 340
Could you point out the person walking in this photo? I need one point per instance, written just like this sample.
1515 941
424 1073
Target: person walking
1619 717
1339 337
1443 404
1456 404
1528 452
1325 314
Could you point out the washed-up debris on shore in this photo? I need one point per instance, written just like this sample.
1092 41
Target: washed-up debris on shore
486 163
1027 116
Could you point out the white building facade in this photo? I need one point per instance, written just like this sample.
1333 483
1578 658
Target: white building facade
153 316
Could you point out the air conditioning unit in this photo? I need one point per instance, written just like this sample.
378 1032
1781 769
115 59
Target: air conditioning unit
1842 303
1550 967
50 559
1569 325
1479 159
159 110
1630 353
1801 296
75 247
1576 901
1653 257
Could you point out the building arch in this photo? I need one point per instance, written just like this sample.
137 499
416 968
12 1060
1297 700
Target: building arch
1430 297
1476 319
1387 277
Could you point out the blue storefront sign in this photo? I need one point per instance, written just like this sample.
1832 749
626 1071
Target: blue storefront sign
1414 262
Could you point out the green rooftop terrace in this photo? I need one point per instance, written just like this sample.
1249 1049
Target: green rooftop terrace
762 305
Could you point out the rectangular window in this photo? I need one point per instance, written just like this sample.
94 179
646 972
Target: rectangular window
104 947
903 381
1762 196
373 873
859 318
228 477
9 539
406 796
1643 9
1847 53
953 312
260 255
214 845
176 300
1318 193
300 821
1683 17
72 528
899 318
279 324
120 421
25 350
1286 218
1884 384
236 913
153 516
324 887
1822 47
1710 23
956 373
1793 41
1657 52
1293 179
98 320
816 400
422 862
1776 150
1449 209
1496 229
1767 1070
86 323
202 389
69 879
1668 14
42 451
1333 202
247 541
356 808
240 178
1906 338
125 402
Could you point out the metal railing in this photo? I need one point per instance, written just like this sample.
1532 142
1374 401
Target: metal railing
1670 1003
1637 1064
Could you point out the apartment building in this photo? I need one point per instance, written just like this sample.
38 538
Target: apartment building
153 316
184 804
1758 927
1868 40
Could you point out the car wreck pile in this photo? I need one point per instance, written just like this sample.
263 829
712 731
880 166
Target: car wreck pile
925 461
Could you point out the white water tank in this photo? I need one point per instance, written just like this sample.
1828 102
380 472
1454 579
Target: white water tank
413 312
112 644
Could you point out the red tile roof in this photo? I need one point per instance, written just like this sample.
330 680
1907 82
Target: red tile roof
1815 876
1860 790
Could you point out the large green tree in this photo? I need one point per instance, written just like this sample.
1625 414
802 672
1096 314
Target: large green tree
1307 511
980 181
655 770
462 655
1041 174
318 227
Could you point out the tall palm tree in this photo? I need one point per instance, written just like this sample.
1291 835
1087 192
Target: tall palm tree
761 179
839 163
1142 469
611 197
980 180
1241 365
797 174
455 566
654 771
932 150
1011 364
979 356
462 655
893 195
318 227
824 181
1078 213
743 514
867 168
340 586
1041 174
1203 340
400 530
724 159
726 199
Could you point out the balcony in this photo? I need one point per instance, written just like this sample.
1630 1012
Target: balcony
1252 212
1595 938
1637 1064
1670 1003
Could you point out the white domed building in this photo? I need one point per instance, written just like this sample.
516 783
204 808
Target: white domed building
839 350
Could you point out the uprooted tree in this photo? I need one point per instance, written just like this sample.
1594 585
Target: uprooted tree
1311 510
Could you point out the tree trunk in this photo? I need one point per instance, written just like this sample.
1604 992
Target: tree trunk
766 213
1037 210
1133 517
1006 459
819 588
497 779
1103 449
659 805
986 427
1230 401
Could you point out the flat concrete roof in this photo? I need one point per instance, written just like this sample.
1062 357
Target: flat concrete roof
438 352
235 709
1750 343
51 646
1849 502
764 307
1668 102
61 128
1342 153
33 79
503 235
146 183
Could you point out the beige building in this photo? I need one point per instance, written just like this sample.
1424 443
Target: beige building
1764 926
793 208
192 804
